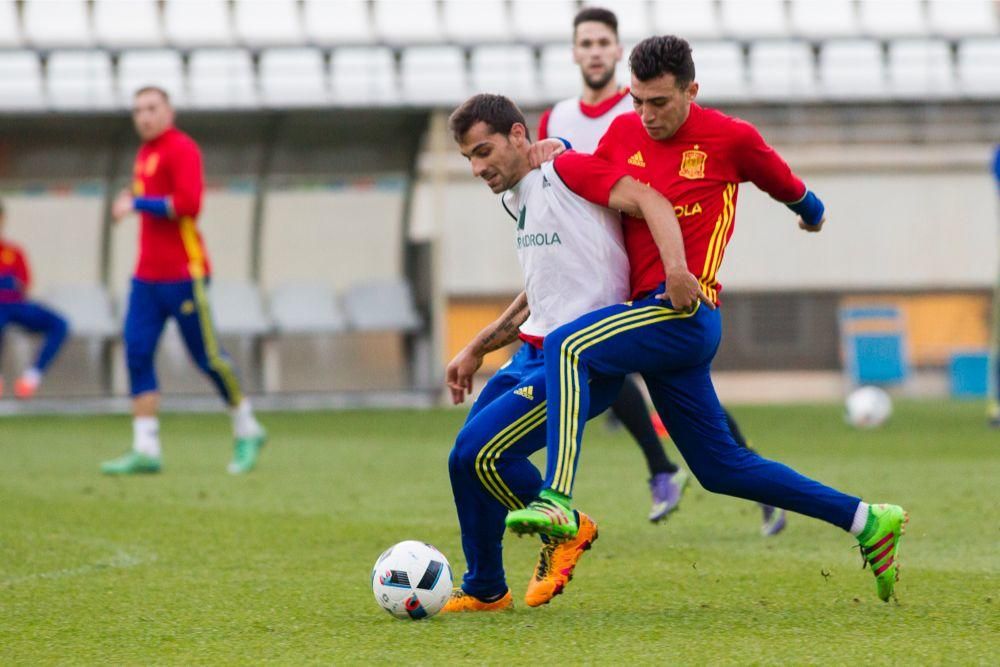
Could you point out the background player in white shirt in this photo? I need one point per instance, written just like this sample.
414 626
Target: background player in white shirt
582 121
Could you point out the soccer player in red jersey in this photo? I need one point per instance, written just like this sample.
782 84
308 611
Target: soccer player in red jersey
16 308
697 158
170 281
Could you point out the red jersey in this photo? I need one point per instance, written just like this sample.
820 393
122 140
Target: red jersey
170 249
699 170
15 277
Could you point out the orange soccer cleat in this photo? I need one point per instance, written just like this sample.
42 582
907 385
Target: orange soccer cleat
556 561
462 601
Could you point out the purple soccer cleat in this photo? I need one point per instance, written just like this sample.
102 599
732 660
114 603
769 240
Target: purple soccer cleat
667 489
774 520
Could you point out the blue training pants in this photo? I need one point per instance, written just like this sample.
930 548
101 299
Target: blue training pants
36 318
489 466
673 351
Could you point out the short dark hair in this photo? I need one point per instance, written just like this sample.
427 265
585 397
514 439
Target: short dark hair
598 14
153 89
498 112
664 54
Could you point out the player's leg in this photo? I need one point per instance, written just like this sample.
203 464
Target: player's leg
666 480
190 307
774 518
41 320
144 321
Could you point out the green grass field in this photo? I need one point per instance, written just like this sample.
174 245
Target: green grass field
194 567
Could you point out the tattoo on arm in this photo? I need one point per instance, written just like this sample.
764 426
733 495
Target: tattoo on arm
505 330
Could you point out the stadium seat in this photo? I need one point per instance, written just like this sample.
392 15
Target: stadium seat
507 70
158 67
921 69
559 75
720 70
238 309
337 24
540 21
633 18
385 305
127 23
407 21
268 22
893 18
691 19
363 76
193 23
434 75
306 309
750 19
80 80
977 67
221 78
824 20
476 22
962 18
20 81
874 344
10 34
293 77
852 69
782 70
56 23
87 308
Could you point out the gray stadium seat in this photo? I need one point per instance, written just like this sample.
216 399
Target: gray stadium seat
56 23
81 80
221 78
691 19
293 77
10 34
159 67
476 22
824 20
507 70
921 69
127 23
542 21
407 21
336 24
381 306
634 18
559 75
193 23
434 75
306 309
962 18
87 308
893 18
754 18
268 22
720 71
852 69
363 76
782 70
21 81
977 67
238 309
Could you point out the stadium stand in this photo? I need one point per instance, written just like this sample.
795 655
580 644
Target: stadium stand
852 69
57 23
383 305
222 79
162 67
434 75
268 22
509 70
753 19
21 84
695 19
476 22
10 36
190 23
823 20
920 69
127 23
545 21
782 70
408 21
364 76
293 77
81 80
334 24
893 18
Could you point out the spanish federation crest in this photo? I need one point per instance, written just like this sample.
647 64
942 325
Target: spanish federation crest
693 164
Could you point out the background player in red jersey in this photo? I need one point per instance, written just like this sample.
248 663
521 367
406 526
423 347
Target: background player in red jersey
170 281
16 308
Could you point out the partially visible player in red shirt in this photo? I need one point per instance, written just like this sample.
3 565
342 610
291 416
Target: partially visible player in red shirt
16 308
697 158
170 281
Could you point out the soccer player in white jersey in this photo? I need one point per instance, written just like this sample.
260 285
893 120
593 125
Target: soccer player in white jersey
560 239
582 121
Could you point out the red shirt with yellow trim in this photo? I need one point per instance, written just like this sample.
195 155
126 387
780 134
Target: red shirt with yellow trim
15 277
170 249
699 170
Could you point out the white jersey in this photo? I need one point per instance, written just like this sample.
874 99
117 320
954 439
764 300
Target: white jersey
571 251
569 121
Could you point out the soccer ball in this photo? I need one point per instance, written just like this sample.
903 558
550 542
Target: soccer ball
868 407
411 580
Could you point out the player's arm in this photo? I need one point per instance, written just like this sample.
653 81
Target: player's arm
640 201
546 148
761 165
187 180
23 273
499 333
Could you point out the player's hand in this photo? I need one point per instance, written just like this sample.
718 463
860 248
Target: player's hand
543 151
811 228
684 291
122 205
459 373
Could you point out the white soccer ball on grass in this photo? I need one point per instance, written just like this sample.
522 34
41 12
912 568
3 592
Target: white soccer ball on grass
868 407
412 580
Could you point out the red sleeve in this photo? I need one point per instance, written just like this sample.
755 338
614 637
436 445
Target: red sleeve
588 175
761 165
186 178
543 124
21 271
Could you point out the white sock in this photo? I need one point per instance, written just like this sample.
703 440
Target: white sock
860 519
146 436
245 425
32 376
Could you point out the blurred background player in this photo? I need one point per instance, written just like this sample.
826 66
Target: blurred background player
15 308
170 280
582 121
995 403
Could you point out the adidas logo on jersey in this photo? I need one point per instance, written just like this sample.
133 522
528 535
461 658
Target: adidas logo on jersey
636 160
526 392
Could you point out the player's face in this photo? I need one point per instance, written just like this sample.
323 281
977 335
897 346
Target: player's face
596 50
501 161
152 115
662 104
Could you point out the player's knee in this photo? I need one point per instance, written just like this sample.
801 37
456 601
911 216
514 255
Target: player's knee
465 452
60 328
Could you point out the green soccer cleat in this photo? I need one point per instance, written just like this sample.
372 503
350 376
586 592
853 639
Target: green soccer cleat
132 463
245 454
550 515
879 543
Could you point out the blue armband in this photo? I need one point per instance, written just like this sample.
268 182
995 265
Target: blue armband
809 208
565 142
158 206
